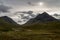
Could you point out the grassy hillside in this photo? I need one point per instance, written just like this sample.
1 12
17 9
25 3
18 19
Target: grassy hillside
5 25
36 31
47 25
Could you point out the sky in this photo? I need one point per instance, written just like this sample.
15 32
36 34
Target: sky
10 7
18 5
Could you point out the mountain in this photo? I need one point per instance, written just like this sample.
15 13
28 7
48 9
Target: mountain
5 19
6 24
44 17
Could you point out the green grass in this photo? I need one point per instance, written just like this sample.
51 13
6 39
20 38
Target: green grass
37 31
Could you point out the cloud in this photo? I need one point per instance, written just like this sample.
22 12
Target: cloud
4 8
24 2
56 14
25 12
52 3
29 12
26 17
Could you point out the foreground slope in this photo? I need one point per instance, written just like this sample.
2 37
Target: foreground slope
37 31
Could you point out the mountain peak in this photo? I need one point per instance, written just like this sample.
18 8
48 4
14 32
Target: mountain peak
5 17
44 17
8 19
45 13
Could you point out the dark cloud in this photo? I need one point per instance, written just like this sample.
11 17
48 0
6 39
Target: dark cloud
28 13
21 12
56 14
19 21
25 12
4 8
26 17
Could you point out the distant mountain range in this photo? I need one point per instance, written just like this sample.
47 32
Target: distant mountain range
44 17
40 18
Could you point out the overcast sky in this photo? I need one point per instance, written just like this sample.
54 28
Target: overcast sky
24 2
18 5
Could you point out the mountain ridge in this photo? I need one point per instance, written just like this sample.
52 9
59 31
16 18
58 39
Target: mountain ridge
44 17
7 19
